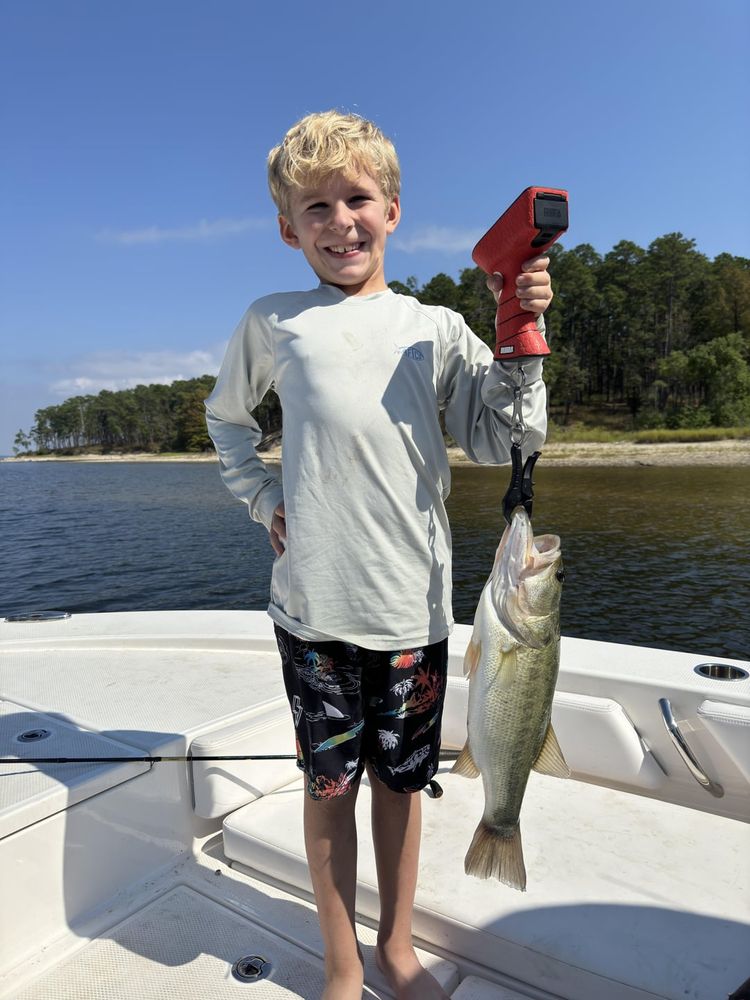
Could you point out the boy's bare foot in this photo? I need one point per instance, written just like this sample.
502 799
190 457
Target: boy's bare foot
344 986
407 976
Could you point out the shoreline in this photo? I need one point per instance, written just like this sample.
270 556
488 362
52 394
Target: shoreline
623 453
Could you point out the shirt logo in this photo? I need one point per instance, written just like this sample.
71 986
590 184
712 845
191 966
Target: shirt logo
413 353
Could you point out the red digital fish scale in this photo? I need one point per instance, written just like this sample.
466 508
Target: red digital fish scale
537 218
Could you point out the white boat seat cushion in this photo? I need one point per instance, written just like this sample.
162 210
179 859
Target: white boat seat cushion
627 896
220 786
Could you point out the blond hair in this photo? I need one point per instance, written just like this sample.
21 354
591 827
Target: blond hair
330 142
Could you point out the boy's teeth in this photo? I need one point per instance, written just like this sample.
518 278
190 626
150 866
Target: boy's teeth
344 249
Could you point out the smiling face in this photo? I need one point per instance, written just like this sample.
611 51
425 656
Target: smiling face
341 225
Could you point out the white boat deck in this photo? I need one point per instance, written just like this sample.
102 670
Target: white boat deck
119 874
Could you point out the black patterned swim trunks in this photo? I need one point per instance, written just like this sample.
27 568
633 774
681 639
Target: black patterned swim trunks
353 705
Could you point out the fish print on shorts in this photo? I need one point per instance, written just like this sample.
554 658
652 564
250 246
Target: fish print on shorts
412 763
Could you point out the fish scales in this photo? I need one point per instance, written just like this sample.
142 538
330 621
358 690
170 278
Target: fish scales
511 735
512 662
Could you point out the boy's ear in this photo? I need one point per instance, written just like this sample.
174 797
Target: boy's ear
393 215
288 235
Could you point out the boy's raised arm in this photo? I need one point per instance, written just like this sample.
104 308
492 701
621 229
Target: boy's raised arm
477 392
477 396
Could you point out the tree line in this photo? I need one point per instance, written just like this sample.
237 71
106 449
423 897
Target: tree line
661 332
152 418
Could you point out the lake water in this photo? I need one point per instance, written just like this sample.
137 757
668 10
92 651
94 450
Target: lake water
655 557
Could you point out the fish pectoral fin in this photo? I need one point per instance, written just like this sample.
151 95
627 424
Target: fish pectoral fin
505 669
465 764
551 759
471 656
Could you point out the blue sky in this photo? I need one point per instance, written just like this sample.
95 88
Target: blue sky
136 221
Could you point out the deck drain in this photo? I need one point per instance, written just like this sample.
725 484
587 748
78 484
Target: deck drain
33 735
251 969
721 671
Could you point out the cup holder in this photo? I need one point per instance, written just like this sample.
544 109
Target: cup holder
722 672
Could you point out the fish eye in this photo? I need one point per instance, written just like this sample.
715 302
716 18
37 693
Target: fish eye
560 574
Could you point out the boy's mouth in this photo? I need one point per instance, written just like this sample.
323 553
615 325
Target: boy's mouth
343 249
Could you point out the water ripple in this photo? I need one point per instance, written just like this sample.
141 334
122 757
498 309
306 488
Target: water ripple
650 558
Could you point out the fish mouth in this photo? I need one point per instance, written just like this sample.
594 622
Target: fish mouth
519 558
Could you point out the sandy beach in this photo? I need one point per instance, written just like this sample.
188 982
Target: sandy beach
623 453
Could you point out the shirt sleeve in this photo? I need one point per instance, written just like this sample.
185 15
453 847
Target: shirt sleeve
476 394
245 376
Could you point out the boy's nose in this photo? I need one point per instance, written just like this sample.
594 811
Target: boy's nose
341 219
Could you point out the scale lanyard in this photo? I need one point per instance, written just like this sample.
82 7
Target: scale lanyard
520 492
517 424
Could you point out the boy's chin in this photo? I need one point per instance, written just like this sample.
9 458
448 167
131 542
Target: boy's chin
343 280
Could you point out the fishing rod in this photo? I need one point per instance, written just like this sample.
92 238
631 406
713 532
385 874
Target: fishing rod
158 759
434 786
146 759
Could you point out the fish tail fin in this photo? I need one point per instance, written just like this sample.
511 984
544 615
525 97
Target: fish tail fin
551 759
493 856
465 764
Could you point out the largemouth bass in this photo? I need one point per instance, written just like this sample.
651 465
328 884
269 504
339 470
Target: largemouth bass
512 662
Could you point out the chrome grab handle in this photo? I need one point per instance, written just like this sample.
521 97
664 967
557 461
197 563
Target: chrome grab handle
691 761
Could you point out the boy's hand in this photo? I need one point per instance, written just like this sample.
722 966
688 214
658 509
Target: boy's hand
277 534
533 286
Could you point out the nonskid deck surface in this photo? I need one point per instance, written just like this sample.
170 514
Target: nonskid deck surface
180 935
182 945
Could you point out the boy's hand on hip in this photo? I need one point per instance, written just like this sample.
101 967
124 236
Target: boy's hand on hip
277 533
533 286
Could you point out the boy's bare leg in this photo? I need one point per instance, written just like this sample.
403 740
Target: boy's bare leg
396 832
331 846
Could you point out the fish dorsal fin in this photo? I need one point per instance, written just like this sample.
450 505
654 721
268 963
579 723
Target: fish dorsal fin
465 764
471 656
550 759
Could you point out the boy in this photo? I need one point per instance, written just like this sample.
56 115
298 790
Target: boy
361 586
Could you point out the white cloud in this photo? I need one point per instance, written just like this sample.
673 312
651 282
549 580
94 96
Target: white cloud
124 370
202 230
445 239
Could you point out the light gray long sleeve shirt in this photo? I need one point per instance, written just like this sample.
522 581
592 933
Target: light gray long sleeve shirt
365 474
